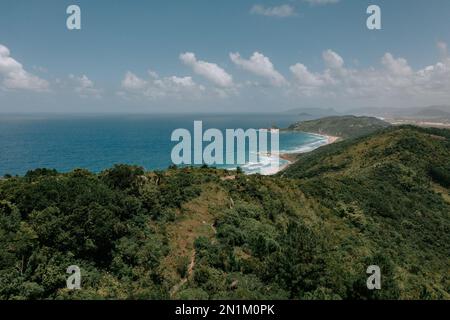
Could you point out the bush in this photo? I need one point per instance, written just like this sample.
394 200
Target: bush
441 175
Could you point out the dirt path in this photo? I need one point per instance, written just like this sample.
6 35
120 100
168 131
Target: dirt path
194 220
191 266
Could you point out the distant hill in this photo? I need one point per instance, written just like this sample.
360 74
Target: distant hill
341 126
312 112
431 112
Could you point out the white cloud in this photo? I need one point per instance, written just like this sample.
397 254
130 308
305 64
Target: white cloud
304 77
155 87
153 74
397 66
321 2
133 82
332 59
282 11
14 75
435 79
259 65
85 87
394 81
210 71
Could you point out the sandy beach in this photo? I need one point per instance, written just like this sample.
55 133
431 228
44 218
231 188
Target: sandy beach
292 157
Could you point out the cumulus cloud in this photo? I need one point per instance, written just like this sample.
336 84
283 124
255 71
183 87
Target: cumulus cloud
155 87
14 76
259 65
332 59
282 11
85 87
210 71
304 77
394 78
395 66
133 82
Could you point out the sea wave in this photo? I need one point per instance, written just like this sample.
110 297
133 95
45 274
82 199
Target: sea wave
267 165
310 146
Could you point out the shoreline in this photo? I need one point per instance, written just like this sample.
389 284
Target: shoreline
417 122
291 158
288 157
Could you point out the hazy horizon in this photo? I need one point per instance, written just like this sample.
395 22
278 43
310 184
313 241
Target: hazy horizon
347 111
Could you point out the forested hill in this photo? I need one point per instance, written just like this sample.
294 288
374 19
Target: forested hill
341 126
309 233
393 186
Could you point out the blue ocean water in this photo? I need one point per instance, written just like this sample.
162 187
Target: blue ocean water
97 142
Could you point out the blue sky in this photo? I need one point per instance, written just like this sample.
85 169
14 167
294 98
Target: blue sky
306 53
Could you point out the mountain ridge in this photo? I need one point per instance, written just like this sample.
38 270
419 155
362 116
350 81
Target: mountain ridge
341 126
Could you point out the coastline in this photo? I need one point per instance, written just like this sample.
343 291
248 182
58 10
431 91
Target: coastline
292 157
419 123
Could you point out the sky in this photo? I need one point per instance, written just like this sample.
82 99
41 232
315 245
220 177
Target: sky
222 56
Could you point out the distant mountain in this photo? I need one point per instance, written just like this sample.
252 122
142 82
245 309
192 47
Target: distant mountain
341 126
445 108
433 113
312 112
430 112
373 112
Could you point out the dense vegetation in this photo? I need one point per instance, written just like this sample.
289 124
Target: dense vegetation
341 126
185 233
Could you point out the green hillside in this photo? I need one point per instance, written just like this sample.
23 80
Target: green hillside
393 186
341 126
308 233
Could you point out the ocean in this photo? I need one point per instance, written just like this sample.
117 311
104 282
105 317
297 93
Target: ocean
97 142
